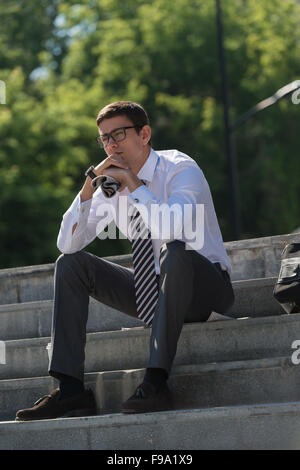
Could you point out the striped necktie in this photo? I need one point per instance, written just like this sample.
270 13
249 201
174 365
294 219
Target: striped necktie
146 289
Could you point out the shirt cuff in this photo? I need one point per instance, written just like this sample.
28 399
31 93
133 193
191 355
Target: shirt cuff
142 195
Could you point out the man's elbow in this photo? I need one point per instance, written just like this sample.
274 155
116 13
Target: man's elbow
65 248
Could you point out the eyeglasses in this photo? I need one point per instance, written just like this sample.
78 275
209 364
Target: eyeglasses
117 135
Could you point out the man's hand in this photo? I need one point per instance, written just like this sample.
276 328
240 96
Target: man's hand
116 167
125 177
114 160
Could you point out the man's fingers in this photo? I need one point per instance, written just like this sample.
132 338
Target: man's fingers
119 164
111 161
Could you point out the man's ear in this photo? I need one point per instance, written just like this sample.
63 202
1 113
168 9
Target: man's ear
146 134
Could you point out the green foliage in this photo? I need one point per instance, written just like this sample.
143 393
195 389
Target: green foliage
62 61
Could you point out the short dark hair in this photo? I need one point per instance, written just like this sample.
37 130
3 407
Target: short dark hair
134 111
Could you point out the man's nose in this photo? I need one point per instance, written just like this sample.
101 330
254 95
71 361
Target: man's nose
111 142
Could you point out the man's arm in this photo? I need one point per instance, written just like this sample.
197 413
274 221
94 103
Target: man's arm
83 222
86 193
87 190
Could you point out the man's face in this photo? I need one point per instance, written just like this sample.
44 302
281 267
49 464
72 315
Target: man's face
134 147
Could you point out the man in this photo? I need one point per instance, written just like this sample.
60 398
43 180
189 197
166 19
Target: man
176 278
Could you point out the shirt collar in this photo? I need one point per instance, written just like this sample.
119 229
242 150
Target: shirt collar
146 173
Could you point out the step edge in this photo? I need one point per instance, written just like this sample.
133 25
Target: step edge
239 284
181 369
193 327
153 418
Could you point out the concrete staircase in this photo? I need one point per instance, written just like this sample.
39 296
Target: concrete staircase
234 383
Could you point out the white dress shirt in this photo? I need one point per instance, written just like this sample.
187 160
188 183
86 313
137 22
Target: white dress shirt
175 203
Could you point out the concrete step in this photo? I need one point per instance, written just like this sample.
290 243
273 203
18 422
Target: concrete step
253 298
272 426
193 386
240 339
33 319
253 258
258 257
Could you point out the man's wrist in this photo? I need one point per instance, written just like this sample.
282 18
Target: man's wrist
86 190
90 172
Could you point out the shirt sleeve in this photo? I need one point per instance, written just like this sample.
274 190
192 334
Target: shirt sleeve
167 220
92 217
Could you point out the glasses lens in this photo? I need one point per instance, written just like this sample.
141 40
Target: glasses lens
118 135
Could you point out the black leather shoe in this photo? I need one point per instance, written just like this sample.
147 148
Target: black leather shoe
146 399
50 407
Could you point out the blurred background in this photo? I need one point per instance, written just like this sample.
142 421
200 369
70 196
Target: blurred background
62 61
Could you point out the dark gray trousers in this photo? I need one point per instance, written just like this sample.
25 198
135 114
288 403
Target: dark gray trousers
190 288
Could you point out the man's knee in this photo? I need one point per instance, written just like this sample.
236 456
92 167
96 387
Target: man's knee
67 260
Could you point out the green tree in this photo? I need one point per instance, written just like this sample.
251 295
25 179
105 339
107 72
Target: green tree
73 58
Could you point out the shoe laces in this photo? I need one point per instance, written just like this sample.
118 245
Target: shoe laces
140 392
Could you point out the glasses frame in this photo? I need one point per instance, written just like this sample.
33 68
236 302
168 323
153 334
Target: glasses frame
109 135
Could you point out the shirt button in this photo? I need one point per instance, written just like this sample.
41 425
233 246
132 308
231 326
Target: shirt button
136 200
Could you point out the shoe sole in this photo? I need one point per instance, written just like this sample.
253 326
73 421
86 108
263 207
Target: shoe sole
69 414
79 413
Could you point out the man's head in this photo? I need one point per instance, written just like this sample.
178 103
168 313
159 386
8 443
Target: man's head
134 111
124 130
